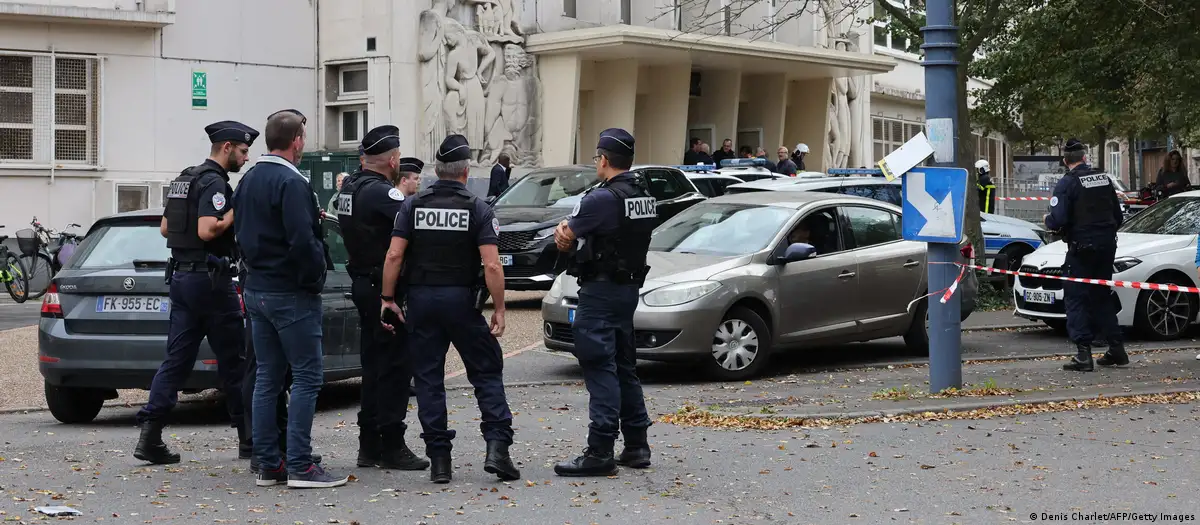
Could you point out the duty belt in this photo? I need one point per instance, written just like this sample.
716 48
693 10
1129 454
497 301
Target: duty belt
180 266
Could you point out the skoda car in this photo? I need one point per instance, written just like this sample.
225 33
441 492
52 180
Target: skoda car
737 278
1006 240
105 318
530 209
1157 245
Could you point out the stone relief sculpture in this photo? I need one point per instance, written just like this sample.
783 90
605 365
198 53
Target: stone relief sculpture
845 129
479 83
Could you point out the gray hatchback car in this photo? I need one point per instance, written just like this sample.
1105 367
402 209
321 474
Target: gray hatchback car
105 318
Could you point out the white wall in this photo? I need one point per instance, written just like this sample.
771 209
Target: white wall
259 56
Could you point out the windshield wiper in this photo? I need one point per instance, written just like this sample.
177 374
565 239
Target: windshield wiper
139 263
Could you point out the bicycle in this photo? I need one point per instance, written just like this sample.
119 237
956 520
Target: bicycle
42 257
12 273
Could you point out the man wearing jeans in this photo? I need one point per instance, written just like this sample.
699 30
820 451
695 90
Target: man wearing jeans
279 233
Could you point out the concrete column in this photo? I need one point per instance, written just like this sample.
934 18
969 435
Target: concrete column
664 137
717 106
560 107
614 99
766 104
808 119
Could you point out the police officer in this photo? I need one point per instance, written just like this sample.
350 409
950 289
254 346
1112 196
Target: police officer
366 208
410 176
444 234
612 224
203 300
1085 208
987 188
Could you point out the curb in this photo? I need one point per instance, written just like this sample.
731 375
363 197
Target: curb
959 407
995 327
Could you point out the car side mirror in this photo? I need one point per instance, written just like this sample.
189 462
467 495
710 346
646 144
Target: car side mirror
798 251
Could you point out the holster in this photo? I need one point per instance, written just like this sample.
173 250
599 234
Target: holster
170 269
480 290
219 267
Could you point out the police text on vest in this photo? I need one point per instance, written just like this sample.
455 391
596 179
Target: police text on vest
1094 181
640 208
179 190
442 219
345 204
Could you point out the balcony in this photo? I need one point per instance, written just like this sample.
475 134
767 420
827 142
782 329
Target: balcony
130 13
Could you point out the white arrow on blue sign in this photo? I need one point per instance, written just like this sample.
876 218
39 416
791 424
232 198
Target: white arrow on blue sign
935 201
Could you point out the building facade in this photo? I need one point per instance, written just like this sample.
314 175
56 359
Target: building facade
102 102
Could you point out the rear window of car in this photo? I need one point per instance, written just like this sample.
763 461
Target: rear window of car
117 245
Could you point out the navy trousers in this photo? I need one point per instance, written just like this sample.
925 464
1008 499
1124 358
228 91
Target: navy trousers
386 376
1091 314
604 345
200 307
438 316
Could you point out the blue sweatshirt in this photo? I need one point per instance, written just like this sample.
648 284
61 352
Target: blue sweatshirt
277 224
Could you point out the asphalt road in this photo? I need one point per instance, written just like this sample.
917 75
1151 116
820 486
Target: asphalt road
13 315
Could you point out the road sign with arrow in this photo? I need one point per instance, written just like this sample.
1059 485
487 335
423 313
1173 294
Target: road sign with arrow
935 201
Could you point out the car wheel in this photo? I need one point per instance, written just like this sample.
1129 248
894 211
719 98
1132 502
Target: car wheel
1162 315
73 405
1015 255
741 346
1058 325
916 339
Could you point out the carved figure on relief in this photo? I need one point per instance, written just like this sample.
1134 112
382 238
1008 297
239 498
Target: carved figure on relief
511 124
465 101
431 52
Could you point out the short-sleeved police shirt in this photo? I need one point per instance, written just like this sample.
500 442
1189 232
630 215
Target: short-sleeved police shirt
377 199
598 212
483 218
216 195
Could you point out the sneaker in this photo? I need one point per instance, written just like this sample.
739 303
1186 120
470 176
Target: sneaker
271 477
314 478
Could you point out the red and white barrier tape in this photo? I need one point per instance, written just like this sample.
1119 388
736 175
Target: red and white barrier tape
1023 198
1103 282
945 293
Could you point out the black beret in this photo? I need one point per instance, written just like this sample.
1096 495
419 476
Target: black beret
1073 144
381 140
230 131
617 141
454 149
411 165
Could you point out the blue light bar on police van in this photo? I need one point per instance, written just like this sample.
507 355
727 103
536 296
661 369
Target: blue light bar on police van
743 163
696 168
855 171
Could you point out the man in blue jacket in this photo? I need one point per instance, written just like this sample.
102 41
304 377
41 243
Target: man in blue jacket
279 232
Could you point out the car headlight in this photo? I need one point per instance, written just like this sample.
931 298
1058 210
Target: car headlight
544 233
556 288
1124 263
682 293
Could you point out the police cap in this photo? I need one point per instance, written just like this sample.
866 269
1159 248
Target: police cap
230 131
381 140
454 149
411 165
1073 144
616 140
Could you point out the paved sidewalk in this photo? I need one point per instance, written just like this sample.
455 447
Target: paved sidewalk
997 318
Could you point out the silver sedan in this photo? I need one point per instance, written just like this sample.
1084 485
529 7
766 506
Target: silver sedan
738 277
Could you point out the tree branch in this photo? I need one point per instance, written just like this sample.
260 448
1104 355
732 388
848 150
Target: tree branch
900 15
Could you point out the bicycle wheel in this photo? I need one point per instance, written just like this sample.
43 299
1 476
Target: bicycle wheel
41 271
18 281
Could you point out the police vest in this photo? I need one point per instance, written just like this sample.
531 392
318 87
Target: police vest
1095 206
182 213
367 234
621 255
442 248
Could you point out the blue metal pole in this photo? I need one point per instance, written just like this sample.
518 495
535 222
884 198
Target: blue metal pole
941 109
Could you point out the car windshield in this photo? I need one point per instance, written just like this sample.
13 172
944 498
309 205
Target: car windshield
560 188
1174 216
720 229
119 245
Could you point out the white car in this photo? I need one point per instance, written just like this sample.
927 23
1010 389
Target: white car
712 184
1157 245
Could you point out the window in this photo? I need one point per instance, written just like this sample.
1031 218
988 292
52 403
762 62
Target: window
706 187
132 197
569 8
545 188
354 124
720 229
772 10
819 229
117 245
869 226
337 246
1174 216
626 12
727 15
1114 159
889 134
49 108
881 192
885 38
353 81
666 185
991 150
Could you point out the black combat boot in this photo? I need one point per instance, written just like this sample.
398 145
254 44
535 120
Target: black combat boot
245 443
442 470
150 446
369 446
637 449
1115 356
594 462
1082 362
397 456
499 462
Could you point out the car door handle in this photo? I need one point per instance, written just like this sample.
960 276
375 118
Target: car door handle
348 295
846 274
911 263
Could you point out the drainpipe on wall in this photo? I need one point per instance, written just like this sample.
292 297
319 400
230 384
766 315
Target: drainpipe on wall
318 77
53 68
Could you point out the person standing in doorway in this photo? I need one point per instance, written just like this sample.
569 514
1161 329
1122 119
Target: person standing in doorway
785 165
726 152
498 182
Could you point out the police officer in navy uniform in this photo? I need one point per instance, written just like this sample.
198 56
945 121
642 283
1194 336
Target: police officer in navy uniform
612 225
203 300
442 236
1085 208
366 207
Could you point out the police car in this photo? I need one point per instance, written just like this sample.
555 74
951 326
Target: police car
1157 245
1006 240
713 181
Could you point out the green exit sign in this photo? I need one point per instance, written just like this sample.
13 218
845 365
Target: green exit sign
199 89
